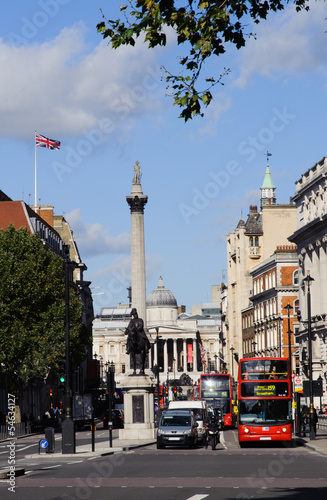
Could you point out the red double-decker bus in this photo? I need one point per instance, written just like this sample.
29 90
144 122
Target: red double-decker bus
265 400
217 390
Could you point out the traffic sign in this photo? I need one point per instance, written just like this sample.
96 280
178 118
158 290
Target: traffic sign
298 384
44 443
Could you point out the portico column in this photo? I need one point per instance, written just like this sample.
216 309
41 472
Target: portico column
185 356
194 356
166 356
175 353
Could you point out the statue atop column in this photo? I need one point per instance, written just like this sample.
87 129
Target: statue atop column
137 341
137 174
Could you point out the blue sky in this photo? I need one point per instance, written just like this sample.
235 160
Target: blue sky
109 109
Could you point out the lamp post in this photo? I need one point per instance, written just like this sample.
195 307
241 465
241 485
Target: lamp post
68 430
232 349
308 280
111 388
289 308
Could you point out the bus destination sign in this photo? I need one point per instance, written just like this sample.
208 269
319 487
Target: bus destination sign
264 389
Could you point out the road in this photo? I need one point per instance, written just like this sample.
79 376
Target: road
259 472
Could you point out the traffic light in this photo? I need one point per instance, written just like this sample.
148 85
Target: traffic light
62 374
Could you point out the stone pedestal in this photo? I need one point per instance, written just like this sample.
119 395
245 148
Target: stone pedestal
138 408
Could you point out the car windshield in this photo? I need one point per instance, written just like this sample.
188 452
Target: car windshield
198 413
176 420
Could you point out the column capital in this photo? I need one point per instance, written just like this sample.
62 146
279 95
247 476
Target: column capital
137 203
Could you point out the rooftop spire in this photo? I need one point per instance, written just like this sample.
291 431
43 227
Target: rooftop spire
268 195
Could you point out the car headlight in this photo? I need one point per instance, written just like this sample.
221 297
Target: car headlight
160 431
189 432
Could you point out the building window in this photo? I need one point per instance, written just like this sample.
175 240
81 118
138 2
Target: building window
296 277
251 241
256 241
112 348
123 368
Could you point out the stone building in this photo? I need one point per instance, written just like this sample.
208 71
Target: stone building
311 240
252 242
265 324
175 338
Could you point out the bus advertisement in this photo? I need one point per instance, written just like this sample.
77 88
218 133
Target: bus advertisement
265 400
217 390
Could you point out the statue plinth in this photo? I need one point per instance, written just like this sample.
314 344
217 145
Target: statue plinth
138 408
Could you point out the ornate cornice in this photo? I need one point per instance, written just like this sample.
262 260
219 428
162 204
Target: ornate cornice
137 204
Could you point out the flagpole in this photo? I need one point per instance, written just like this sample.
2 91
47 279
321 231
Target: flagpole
35 199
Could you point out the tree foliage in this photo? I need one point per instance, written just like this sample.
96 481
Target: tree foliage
32 309
206 27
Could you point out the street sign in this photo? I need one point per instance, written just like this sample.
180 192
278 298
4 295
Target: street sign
298 384
44 443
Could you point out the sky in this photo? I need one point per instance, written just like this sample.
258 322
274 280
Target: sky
111 108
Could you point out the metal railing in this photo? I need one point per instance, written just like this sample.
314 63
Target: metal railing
21 429
322 422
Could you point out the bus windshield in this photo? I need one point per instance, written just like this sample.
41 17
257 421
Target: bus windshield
264 369
270 411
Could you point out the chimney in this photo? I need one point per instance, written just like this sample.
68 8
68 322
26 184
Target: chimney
46 212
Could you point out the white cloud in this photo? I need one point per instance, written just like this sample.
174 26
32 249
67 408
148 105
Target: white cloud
288 42
57 86
94 239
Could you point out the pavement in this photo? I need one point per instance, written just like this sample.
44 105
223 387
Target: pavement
103 448
318 444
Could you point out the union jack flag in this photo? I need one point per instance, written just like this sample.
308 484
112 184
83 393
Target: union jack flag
44 142
203 353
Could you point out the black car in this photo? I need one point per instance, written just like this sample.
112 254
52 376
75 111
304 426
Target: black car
117 419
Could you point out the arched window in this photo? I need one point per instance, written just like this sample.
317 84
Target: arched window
296 277
296 306
256 241
251 241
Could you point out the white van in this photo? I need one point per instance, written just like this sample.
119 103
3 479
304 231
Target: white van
200 411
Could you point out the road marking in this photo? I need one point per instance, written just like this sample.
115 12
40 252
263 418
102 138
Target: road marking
51 467
197 497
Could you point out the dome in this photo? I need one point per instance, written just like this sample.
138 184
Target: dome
161 297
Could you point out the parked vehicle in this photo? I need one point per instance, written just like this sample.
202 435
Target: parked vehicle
199 408
177 428
117 418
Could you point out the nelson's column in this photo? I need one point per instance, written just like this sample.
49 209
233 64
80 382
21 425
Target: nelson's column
137 201
139 388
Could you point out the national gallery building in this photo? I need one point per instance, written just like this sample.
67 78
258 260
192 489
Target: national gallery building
175 336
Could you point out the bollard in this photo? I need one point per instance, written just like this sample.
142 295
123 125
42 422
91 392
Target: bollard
49 436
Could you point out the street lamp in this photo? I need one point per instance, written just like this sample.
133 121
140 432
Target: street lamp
289 308
308 280
68 429
111 389
232 349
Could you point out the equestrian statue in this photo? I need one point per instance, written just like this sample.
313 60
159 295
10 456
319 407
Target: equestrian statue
137 341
